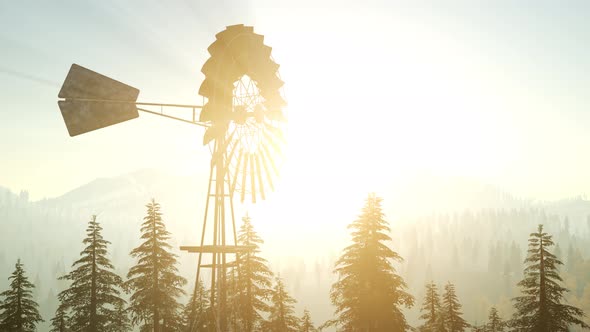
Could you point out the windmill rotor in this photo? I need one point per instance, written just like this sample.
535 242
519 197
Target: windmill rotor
245 109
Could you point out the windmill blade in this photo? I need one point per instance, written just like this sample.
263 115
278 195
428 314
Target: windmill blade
94 101
253 177
214 88
266 171
273 99
244 178
233 185
273 142
223 66
276 131
214 132
270 159
232 31
267 76
233 149
207 113
276 115
227 141
260 178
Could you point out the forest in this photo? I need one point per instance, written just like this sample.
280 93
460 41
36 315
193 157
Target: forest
518 269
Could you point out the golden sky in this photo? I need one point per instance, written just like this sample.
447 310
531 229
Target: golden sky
376 93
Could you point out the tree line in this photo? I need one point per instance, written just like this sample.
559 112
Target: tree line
369 294
95 300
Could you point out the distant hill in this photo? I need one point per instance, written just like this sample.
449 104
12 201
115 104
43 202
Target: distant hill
423 194
426 214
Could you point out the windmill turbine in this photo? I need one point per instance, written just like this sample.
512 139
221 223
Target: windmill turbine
244 127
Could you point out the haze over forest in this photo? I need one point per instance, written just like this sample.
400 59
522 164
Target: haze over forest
478 242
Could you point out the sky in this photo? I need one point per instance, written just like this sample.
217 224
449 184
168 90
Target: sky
378 91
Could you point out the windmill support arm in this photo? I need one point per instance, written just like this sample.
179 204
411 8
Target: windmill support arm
193 121
193 108
161 113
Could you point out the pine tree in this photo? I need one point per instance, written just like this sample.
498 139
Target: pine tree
495 323
154 281
478 328
540 309
59 321
197 312
451 310
282 315
232 306
432 310
94 292
306 323
369 293
571 258
254 279
121 321
18 310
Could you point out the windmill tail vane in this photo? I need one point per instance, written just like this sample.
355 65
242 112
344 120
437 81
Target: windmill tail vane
93 101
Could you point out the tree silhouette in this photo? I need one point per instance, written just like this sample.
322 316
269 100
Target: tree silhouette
282 315
369 293
306 323
196 312
432 310
478 328
121 321
154 280
540 309
94 291
59 323
254 279
18 310
451 310
495 323
232 294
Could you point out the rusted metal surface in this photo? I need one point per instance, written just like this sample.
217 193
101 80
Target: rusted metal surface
84 116
217 249
227 264
94 101
83 83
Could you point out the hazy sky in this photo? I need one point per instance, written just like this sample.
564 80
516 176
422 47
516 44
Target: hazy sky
377 90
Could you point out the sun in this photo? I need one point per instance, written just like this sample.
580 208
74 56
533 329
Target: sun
356 128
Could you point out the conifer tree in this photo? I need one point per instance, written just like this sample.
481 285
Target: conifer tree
306 323
121 321
18 311
451 310
478 328
196 312
369 292
94 292
254 279
432 310
495 323
540 308
232 306
59 323
282 315
154 281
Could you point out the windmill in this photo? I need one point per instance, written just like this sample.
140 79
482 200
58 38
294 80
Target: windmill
244 126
